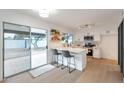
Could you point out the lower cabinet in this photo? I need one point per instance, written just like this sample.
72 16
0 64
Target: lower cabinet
96 52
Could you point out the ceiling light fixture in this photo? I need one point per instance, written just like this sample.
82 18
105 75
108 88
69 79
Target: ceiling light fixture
44 12
86 26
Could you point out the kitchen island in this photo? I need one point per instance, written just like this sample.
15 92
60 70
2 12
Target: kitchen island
80 57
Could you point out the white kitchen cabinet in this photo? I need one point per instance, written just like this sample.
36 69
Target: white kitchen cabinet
96 37
96 52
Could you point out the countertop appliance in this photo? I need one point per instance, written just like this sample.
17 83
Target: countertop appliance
89 45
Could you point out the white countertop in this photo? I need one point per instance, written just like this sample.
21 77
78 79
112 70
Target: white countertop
80 57
74 50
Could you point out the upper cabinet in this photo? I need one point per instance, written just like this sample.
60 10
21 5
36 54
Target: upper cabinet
96 36
81 36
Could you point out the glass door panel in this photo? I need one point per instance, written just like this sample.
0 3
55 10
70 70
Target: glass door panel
16 49
38 47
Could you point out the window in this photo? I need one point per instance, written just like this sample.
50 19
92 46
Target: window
67 38
16 40
38 40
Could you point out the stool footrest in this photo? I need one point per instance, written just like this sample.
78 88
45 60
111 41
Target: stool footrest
71 70
63 67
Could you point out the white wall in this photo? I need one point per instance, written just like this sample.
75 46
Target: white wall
17 18
109 46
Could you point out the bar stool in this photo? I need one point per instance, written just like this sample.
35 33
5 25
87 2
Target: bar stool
55 56
67 55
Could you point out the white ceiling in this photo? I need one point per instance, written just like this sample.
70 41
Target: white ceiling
72 18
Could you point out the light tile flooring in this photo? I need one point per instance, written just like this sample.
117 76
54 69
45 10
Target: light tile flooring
97 71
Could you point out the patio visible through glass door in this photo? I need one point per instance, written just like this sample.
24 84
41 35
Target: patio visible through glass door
16 49
38 47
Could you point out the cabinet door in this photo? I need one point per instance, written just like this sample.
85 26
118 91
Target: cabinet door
96 52
96 37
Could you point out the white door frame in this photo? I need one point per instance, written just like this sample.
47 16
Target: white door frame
1 51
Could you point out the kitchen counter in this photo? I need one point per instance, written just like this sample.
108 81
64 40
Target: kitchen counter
80 57
73 50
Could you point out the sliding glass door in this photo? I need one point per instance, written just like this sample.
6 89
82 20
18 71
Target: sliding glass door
16 49
38 47
25 48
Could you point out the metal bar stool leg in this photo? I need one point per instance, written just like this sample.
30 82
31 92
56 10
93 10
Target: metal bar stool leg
63 67
61 60
58 61
62 63
69 65
53 59
74 63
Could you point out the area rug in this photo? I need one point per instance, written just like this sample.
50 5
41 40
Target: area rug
41 70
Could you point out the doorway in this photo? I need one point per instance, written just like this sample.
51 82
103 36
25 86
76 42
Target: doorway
25 48
16 49
38 47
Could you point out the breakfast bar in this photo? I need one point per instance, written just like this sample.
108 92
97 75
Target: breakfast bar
79 54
